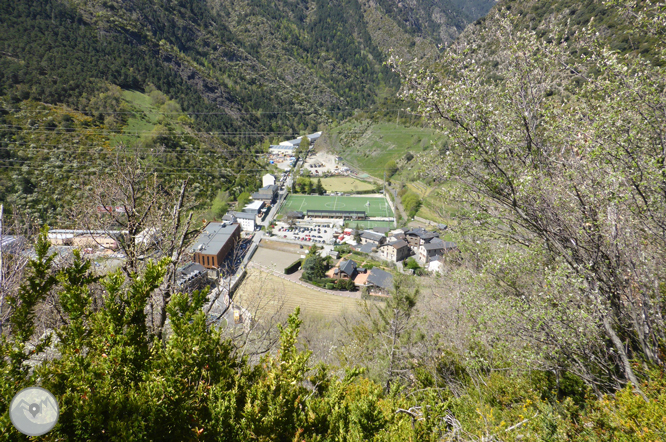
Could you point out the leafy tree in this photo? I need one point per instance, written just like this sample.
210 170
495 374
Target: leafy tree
314 267
570 174
389 335
391 168
243 199
220 204
304 145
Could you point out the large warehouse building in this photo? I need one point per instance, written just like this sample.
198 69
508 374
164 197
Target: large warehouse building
215 243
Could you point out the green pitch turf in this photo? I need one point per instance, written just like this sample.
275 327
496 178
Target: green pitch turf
378 206
369 224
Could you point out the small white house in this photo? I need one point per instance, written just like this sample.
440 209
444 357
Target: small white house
268 180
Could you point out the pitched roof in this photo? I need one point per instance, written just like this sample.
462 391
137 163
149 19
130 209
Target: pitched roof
366 248
372 236
399 244
348 267
380 278
381 230
244 215
214 237
438 244
422 233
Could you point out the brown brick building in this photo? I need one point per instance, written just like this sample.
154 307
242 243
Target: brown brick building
215 243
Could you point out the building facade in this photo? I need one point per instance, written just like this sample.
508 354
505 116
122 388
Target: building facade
395 251
214 244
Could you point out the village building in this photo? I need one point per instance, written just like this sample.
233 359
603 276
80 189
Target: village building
416 237
215 243
247 221
434 250
191 277
266 194
369 237
282 149
379 282
268 180
344 270
395 251
254 207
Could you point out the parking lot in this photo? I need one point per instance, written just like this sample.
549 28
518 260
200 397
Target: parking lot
321 233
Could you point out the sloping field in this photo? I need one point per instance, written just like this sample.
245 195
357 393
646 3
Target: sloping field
372 206
264 294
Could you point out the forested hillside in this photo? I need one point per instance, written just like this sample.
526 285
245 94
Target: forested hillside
236 73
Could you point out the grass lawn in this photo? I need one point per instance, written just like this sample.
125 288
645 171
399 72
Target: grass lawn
378 207
345 184
433 207
370 146
263 294
141 121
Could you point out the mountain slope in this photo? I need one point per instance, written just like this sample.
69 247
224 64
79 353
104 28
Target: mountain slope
233 72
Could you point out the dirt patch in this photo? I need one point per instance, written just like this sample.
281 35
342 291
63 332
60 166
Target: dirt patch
275 259
283 247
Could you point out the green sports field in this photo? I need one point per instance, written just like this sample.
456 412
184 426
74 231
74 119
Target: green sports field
369 224
378 207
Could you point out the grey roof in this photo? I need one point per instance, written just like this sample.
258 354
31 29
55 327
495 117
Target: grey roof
380 278
366 248
348 267
295 214
214 237
244 215
190 269
423 233
381 230
399 244
229 216
314 137
438 244
268 190
372 236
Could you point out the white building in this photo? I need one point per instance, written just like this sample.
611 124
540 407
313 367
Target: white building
254 207
267 180
282 149
247 221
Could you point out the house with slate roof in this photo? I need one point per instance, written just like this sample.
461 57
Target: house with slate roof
435 249
395 251
266 194
374 238
380 281
416 237
344 270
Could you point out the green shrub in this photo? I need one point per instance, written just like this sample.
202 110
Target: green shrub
293 267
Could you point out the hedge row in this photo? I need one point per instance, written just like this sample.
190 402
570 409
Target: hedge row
293 267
